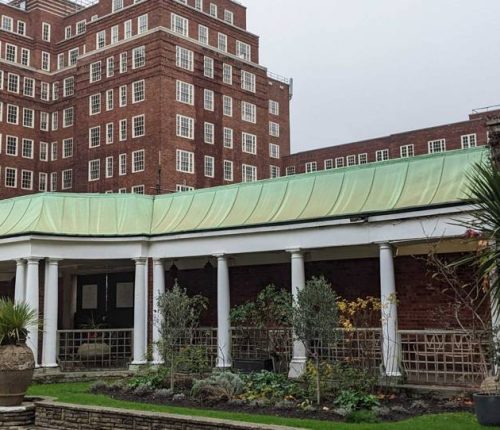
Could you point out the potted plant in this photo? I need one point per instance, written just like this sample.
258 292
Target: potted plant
93 345
487 400
16 358
484 193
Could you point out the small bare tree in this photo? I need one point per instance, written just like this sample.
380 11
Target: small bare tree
179 316
315 321
468 300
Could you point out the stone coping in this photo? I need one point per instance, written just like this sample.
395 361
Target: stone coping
125 417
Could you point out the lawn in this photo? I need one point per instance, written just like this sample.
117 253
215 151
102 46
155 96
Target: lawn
77 393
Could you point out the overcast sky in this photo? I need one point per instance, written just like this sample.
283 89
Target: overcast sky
368 68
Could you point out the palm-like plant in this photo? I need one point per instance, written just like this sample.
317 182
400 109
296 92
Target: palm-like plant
484 193
15 318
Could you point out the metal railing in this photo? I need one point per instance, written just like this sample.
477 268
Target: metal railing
94 349
439 357
443 357
279 78
357 347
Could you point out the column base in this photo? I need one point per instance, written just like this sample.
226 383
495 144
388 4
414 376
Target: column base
137 365
49 370
297 367
395 378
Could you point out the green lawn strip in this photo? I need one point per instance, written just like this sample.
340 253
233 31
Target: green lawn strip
77 393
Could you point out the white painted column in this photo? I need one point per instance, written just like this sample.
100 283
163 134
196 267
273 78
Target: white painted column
140 312
299 358
158 290
50 313
224 359
391 349
32 300
20 288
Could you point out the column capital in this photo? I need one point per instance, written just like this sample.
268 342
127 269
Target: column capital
384 245
158 261
220 256
140 260
51 260
20 261
295 252
33 260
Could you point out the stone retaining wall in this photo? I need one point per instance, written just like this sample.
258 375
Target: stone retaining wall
62 416
17 417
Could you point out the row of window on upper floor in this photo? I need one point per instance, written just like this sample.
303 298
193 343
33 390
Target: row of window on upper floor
13 81
213 10
25 179
23 147
433 147
11 51
25 117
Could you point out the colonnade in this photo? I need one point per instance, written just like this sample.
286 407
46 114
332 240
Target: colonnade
27 289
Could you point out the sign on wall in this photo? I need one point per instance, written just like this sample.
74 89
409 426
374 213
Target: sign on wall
89 296
124 294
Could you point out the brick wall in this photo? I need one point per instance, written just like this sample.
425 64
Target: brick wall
452 133
422 302
159 107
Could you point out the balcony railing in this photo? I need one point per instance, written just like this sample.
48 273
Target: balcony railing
80 350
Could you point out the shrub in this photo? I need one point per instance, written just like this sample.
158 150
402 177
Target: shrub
353 400
193 359
179 315
143 390
338 377
315 320
98 387
154 378
164 393
218 386
272 386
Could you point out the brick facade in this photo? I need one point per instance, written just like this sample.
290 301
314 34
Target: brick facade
460 135
134 73
140 43
422 302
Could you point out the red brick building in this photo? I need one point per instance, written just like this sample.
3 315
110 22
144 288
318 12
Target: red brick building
158 96
459 135
135 96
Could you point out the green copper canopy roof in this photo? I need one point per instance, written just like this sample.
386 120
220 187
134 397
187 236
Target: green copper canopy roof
397 185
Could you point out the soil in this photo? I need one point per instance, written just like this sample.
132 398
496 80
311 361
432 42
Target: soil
393 407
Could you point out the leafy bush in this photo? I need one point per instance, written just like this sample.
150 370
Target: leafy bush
154 378
272 386
193 359
272 308
218 386
354 400
364 416
143 390
338 377
164 393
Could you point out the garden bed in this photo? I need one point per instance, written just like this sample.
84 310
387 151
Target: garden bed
392 407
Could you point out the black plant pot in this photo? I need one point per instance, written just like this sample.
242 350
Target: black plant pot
253 365
487 408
